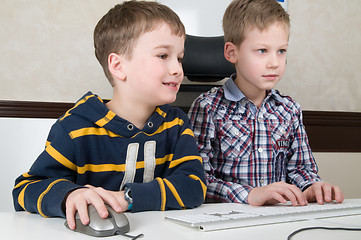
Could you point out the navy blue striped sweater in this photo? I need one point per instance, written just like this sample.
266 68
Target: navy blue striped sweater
89 144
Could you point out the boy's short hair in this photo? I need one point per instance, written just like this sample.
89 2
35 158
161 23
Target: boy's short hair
118 30
242 15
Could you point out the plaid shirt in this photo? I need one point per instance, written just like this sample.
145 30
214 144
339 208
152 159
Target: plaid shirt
244 147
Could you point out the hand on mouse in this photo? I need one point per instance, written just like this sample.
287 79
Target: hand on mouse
278 192
79 199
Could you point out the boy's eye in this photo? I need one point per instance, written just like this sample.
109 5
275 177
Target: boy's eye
180 60
282 51
262 50
162 56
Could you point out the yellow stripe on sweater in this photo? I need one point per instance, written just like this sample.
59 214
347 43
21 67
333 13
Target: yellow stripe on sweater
101 122
76 105
188 131
102 131
160 112
204 187
117 167
176 162
91 131
21 197
112 167
60 158
162 193
175 193
40 199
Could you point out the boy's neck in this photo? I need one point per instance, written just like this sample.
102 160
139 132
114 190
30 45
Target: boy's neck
137 114
258 100
255 95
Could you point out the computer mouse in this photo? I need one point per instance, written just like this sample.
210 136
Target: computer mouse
115 224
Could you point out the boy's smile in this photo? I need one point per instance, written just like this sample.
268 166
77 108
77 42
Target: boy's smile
173 85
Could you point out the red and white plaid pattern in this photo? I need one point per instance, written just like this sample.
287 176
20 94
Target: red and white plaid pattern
244 147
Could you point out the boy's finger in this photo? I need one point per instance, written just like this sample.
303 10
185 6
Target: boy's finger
70 218
327 192
281 199
101 209
299 196
83 213
318 193
338 195
115 204
112 198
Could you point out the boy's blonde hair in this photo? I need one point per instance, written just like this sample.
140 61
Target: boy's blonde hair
118 30
242 15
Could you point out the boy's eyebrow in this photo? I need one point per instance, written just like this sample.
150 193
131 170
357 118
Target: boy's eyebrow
266 44
166 46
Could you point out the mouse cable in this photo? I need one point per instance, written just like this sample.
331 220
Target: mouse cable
129 236
322 228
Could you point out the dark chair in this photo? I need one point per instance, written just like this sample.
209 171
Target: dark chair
203 63
204 59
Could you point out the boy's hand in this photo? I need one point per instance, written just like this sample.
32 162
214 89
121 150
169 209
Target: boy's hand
323 192
79 199
278 192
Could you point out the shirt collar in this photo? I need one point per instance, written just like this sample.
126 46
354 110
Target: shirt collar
231 90
233 93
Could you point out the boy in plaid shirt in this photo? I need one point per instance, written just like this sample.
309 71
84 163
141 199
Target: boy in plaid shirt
252 139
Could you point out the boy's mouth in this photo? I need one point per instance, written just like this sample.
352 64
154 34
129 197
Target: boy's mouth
170 84
270 76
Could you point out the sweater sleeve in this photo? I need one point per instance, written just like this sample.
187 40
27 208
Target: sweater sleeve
205 131
43 188
182 183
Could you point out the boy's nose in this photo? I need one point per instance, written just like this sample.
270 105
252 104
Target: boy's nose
273 61
176 68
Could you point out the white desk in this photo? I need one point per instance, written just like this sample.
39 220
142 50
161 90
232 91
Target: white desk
21 225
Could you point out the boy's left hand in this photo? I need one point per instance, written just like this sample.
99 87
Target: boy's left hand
321 192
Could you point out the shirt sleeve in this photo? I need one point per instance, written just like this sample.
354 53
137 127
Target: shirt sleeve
302 168
205 132
43 188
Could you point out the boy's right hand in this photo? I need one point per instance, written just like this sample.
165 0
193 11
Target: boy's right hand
79 199
278 192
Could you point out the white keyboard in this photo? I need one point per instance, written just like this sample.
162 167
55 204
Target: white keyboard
231 215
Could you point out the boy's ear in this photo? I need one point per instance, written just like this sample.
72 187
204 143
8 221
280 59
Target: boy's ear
115 66
230 52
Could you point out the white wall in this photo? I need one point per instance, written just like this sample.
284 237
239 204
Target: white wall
21 141
342 169
197 20
323 70
47 50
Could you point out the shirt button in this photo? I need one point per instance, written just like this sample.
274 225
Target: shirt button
261 181
260 150
130 127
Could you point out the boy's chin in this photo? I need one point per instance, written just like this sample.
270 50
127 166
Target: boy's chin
170 99
166 101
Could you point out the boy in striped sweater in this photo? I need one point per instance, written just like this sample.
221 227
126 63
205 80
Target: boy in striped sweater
134 152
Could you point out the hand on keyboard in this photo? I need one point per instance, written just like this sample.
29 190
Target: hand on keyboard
230 215
323 192
279 192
